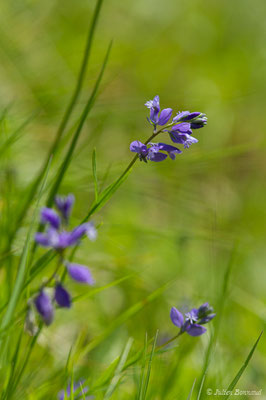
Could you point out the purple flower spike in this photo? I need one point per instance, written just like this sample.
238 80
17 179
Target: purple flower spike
44 307
194 319
49 216
64 204
165 116
62 297
80 273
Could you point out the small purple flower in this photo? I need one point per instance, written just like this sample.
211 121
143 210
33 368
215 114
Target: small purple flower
80 273
154 106
64 204
171 150
194 319
62 297
77 388
44 306
153 152
140 148
181 133
49 216
62 239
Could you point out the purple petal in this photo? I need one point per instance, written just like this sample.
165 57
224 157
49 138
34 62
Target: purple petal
157 156
48 215
80 273
207 319
190 116
176 317
168 147
61 395
42 239
197 126
180 116
78 232
91 231
62 297
184 127
64 204
165 116
44 307
154 106
195 330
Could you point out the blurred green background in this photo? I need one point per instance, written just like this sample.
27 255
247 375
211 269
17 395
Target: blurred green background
175 222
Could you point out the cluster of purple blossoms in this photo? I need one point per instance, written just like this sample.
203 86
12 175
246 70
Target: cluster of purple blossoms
59 238
179 130
78 390
194 319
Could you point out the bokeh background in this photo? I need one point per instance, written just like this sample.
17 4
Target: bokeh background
181 222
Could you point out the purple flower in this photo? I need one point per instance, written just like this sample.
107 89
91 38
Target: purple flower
171 150
153 152
62 297
49 216
140 148
155 118
64 205
78 388
44 306
80 273
62 239
194 319
181 133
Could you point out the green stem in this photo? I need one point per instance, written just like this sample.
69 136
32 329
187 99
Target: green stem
169 341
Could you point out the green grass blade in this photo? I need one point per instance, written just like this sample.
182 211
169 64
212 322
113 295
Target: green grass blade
142 378
191 390
74 141
18 286
244 366
219 311
107 194
94 174
68 112
149 367
129 313
117 376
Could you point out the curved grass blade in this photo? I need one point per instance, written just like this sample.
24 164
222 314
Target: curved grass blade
18 287
191 390
130 312
94 174
117 375
67 114
73 143
219 310
242 369
146 384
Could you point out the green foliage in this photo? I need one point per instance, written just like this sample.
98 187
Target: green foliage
172 234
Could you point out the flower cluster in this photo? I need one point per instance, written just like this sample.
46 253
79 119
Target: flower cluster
194 319
179 130
57 237
78 390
